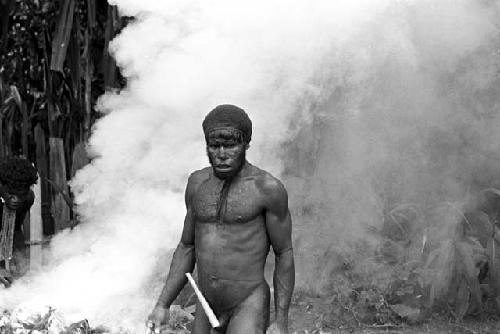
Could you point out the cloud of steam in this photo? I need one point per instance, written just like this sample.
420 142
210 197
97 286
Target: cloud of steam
355 103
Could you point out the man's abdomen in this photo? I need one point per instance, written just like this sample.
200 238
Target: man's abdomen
230 260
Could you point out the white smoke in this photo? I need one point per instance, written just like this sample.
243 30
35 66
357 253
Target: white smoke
365 76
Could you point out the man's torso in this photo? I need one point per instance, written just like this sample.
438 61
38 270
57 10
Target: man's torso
231 248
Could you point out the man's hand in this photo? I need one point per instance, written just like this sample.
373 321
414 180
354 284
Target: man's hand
158 319
276 328
13 202
6 278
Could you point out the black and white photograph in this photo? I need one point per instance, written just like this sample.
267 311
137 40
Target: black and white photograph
249 167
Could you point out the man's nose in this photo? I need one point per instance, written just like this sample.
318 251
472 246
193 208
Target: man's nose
221 152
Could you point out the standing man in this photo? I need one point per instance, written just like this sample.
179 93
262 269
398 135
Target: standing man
17 175
235 212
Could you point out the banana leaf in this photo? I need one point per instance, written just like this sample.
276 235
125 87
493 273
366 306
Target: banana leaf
442 261
91 13
470 252
462 300
454 274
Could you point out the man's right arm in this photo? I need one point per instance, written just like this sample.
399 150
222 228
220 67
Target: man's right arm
183 262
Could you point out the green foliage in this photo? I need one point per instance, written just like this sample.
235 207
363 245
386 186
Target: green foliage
430 259
53 51
54 65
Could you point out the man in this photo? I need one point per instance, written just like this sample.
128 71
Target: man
235 212
17 175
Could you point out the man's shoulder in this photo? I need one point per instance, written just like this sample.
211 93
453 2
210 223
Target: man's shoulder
195 179
271 191
200 175
267 183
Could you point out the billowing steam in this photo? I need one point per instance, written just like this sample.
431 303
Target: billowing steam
355 103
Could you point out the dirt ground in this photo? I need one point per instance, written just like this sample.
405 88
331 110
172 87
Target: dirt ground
314 316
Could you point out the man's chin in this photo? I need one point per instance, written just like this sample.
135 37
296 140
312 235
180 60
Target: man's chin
225 173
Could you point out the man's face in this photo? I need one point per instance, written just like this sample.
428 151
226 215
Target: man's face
15 197
226 152
18 190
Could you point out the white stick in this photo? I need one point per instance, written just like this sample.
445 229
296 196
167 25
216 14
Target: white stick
36 229
208 311
149 327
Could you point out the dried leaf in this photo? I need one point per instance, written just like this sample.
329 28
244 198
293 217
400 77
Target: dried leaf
80 158
62 35
88 86
58 190
74 59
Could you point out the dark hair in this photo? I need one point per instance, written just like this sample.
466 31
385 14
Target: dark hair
17 172
228 116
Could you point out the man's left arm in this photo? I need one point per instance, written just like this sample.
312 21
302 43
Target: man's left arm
279 230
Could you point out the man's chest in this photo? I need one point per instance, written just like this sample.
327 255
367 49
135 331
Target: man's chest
239 204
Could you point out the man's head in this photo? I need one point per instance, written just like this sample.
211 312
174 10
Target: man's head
17 175
228 131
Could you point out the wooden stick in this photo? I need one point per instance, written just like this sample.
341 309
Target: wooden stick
150 328
36 229
208 311
43 169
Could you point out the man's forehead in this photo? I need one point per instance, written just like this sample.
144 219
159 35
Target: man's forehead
226 133
17 189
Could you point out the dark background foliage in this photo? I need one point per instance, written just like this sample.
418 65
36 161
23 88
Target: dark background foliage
54 64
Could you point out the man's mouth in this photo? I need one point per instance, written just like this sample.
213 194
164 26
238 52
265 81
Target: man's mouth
223 167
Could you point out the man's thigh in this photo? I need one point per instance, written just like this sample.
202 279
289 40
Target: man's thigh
252 315
201 324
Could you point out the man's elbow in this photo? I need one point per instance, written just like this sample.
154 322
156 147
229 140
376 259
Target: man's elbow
285 252
185 245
